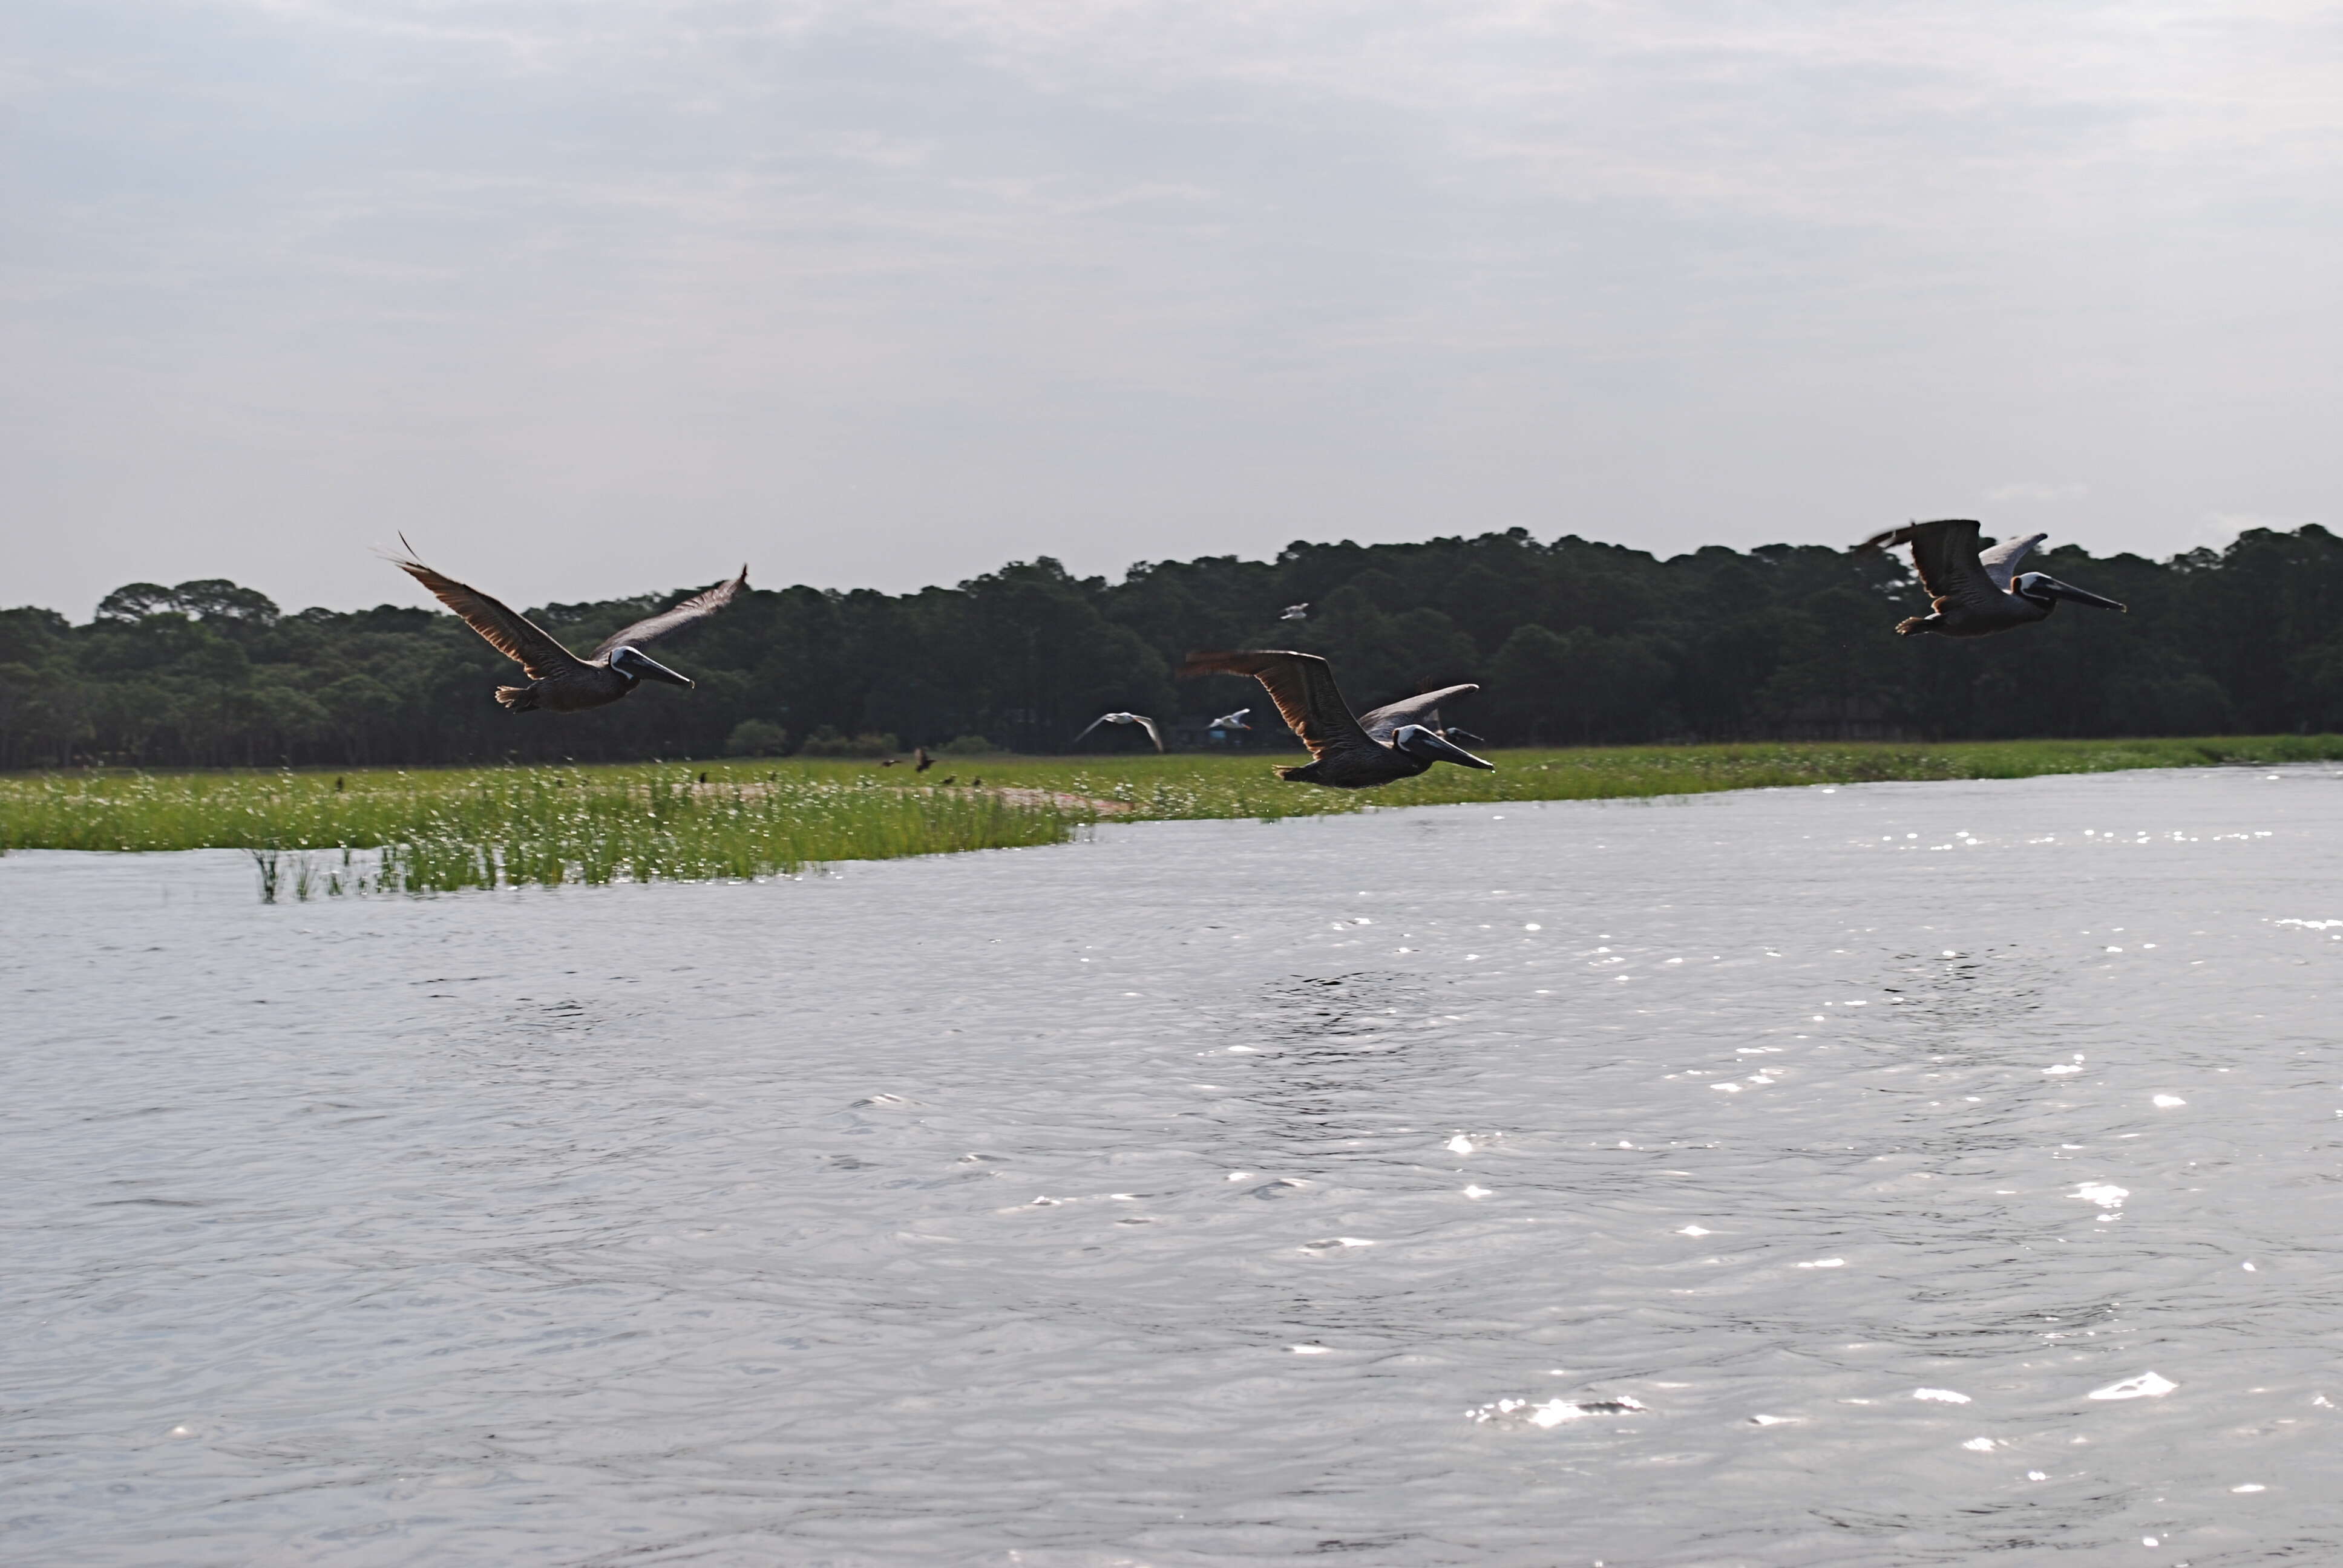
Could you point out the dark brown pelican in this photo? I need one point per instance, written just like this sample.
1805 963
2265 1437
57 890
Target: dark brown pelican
1977 594
1139 719
920 755
1396 741
558 680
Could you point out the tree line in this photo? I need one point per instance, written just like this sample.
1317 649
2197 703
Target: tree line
1574 642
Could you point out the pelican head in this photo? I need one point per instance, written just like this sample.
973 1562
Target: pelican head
636 665
1418 741
2044 588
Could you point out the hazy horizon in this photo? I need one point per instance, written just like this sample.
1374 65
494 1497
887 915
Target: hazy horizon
593 302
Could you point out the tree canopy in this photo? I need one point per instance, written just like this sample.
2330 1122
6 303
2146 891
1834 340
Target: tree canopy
1573 642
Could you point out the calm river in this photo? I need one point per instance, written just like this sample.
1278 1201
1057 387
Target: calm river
1896 1174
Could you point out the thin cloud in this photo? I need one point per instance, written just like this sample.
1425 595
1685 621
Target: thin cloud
2034 490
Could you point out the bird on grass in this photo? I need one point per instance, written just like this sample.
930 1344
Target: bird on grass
1139 719
558 680
1977 592
1398 740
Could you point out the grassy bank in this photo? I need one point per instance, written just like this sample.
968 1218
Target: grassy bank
364 830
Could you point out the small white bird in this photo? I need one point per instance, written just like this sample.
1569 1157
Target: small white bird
1296 611
1139 719
1232 720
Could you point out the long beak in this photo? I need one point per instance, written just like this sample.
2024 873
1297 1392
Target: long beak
652 669
1430 745
2082 596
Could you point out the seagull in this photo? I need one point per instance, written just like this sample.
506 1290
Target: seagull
558 680
1139 719
1296 611
1346 753
1231 721
1977 594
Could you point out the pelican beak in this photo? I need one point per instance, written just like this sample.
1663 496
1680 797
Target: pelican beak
634 661
2081 595
1418 741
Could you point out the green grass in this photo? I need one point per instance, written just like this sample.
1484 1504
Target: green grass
396 830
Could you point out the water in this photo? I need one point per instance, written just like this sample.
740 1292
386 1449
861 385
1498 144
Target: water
1791 1178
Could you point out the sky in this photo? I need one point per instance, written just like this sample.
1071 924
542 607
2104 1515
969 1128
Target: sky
597 298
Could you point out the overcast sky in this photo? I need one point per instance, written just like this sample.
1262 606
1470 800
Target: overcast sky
591 298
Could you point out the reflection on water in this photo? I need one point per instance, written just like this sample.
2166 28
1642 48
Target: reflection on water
1879 1175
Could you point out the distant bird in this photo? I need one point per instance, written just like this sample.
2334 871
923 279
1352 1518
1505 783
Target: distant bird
1296 611
920 755
558 680
889 761
1457 735
1231 721
1977 594
1396 741
1139 719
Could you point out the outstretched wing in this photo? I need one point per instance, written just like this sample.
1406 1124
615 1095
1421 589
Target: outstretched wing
1945 553
1385 721
1152 733
1093 724
2000 562
509 632
698 607
1303 687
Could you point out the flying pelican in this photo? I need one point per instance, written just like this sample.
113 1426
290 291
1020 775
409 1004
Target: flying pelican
920 755
1977 594
558 680
1346 753
1296 611
1231 721
1139 719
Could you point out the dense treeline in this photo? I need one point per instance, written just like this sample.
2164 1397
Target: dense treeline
1574 642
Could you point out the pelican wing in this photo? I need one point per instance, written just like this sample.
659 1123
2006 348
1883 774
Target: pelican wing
698 607
1303 687
2000 562
1385 721
1152 733
1945 553
509 632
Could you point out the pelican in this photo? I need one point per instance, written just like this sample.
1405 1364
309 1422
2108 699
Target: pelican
1392 742
1977 594
1295 611
920 755
1139 719
558 680
1231 721
1457 735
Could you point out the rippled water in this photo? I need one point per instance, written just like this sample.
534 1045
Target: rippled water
1881 1175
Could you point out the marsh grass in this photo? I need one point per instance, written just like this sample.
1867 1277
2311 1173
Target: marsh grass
321 834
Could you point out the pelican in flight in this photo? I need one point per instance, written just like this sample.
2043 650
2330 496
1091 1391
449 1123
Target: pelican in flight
1231 721
1396 741
558 680
1295 611
1977 594
1139 719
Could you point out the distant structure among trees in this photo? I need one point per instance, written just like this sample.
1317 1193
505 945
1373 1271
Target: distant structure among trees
1575 642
